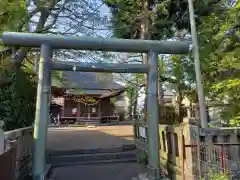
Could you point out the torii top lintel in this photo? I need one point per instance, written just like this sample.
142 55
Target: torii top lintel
93 43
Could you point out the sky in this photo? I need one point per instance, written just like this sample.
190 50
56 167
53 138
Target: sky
105 11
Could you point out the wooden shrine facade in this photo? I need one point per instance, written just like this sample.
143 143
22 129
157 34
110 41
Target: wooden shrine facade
83 109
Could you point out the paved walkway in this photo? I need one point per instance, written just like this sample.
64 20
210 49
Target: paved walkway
124 171
78 138
74 138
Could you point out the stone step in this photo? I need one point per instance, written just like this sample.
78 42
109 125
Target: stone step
100 162
123 148
84 158
143 176
119 170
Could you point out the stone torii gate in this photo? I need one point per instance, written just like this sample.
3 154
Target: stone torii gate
48 43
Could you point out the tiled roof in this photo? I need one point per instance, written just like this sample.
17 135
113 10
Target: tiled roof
86 82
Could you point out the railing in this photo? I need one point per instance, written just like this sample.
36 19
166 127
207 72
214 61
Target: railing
212 162
140 133
187 152
18 149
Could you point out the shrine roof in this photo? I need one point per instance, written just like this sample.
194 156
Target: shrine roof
77 83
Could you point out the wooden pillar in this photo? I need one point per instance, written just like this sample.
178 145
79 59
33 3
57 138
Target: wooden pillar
78 112
88 112
99 109
63 112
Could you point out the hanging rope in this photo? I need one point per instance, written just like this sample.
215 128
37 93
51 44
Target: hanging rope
87 103
83 101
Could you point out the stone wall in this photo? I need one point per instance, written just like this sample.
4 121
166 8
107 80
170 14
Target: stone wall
188 152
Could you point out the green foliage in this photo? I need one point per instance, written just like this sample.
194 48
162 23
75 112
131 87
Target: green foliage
17 89
219 50
11 14
113 100
17 97
215 175
142 156
219 40
165 17
134 84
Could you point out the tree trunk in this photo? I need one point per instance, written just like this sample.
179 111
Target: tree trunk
44 14
178 107
135 101
130 111
131 100
161 102
145 35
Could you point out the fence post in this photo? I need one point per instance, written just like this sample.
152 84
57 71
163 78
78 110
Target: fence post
221 152
182 155
191 141
209 151
2 146
19 151
222 157
234 151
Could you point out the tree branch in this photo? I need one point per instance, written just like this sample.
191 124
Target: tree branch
45 12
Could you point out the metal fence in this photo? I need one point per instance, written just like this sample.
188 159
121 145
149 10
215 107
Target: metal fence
211 162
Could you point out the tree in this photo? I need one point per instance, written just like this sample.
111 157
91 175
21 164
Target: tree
219 48
218 26
18 89
66 17
153 20
164 17
133 89
219 55
17 96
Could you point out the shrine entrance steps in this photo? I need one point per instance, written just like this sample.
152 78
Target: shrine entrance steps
96 153
119 163
125 153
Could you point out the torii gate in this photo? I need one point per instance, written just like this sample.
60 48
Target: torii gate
48 43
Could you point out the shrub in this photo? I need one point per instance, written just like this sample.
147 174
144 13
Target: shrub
216 175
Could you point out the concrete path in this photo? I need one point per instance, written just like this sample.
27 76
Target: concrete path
74 138
77 138
124 171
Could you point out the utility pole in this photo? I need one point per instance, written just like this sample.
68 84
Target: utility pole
201 97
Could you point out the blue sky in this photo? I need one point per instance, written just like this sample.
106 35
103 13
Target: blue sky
105 11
